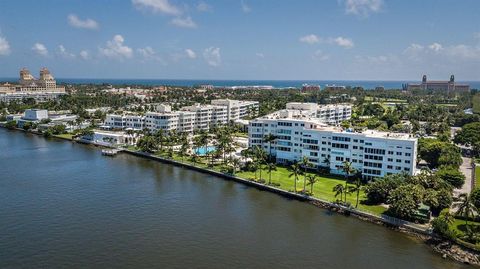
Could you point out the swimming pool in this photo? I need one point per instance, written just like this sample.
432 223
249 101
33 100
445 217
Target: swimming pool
204 151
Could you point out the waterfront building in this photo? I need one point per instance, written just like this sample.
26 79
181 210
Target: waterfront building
330 114
35 114
207 116
438 85
125 121
335 87
238 109
188 119
298 135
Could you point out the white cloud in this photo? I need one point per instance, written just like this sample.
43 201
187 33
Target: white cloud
320 56
260 55
184 22
310 39
362 7
343 42
435 47
40 49
245 8
157 6
4 46
115 49
212 56
339 41
62 51
476 36
203 7
76 22
84 55
439 53
191 54
148 53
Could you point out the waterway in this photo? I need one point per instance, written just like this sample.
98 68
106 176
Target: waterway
64 205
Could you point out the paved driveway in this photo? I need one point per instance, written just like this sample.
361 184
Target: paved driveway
466 169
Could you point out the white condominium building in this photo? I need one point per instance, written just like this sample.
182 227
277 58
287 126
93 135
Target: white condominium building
125 121
188 119
331 114
373 153
206 116
237 109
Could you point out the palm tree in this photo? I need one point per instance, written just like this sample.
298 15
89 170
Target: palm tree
312 179
296 171
194 158
235 163
260 156
185 147
339 190
271 167
326 161
305 164
348 170
465 206
356 188
160 137
270 138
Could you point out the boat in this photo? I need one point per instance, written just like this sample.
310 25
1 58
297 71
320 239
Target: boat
109 152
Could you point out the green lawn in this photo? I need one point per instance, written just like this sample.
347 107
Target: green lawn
477 173
322 189
65 136
476 103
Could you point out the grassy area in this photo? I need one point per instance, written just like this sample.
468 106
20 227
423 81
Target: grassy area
322 189
476 103
477 173
459 225
64 136
239 134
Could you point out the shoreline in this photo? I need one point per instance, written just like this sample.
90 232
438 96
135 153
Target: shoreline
446 248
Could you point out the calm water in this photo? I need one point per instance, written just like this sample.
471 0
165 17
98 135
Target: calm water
63 205
366 84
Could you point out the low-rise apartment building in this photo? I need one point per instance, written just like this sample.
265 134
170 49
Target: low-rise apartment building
238 109
373 153
125 121
330 114
188 119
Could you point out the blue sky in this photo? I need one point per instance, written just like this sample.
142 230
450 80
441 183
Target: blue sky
242 39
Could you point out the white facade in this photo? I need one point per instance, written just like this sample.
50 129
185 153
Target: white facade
35 114
373 153
237 109
207 116
331 114
125 121
188 119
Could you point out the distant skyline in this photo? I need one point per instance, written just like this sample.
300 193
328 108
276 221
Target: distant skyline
242 39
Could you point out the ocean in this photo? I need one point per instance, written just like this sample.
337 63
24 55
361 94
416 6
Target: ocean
366 84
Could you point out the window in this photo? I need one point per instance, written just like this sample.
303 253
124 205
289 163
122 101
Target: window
390 152
407 161
389 167
355 147
375 151
408 154
390 160
399 153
